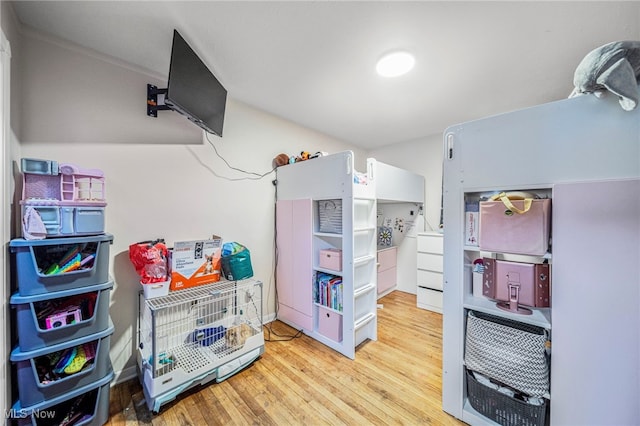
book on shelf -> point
(328, 291)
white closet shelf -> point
(509, 256)
(328, 308)
(539, 316)
(328, 271)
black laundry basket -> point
(504, 409)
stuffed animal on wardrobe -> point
(614, 67)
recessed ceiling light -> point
(395, 64)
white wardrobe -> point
(585, 152)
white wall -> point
(161, 181)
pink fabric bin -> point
(331, 259)
(510, 232)
(330, 323)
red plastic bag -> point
(150, 260)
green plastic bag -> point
(237, 266)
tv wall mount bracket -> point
(152, 100)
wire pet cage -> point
(191, 337)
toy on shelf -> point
(73, 259)
(81, 185)
(284, 159)
(47, 182)
(61, 199)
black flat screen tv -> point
(193, 90)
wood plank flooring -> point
(396, 380)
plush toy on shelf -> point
(280, 160)
(284, 159)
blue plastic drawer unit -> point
(52, 318)
(55, 370)
(86, 405)
(57, 264)
(69, 220)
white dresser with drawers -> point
(430, 267)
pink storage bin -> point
(508, 232)
(330, 323)
(331, 259)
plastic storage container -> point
(504, 409)
(52, 318)
(86, 360)
(86, 405)
(70, 219)
(158, 289)
(35, 262)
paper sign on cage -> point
(195, 263)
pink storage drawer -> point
(386, 280)
(504, 231)
(331, 259)
(330, 323)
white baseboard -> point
(125, 375)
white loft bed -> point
(400, 194)
(396, 185)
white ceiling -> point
(313, 62)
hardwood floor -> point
(394, 380)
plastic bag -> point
(236, 261)
(150, 260)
